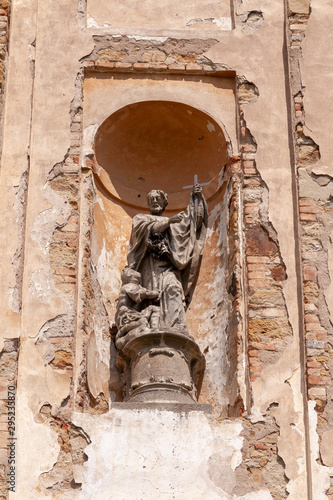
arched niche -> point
(159, 144)
(162, 144)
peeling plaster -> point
(15, 293)
(42, 285)
(46, 222)
(320, 473)
(147, 15)
(88, 138)
(212, 321)
(36, 438)
(224, 23)
(159, 457)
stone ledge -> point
(175, 407)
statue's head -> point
(130, 276)
(157, 201)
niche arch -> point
(149, 144)
(157, 130)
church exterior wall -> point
(270, 437)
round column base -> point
(161, 366)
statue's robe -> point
(174, 273)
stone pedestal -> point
(161, 366)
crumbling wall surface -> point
(52, 299)
(143, 454)
(40, 194)
(274, 349)
(171, 16)
(311, 63)
(13, 184)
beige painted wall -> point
(37, 124)
(191, 15)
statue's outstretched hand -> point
(176, 218)
(197, 190)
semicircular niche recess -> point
(159, 145)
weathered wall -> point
(309, 61)
(73, 64)
(126, 16)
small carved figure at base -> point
(128, 314)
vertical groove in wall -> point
(243, 307)
(10, 354)
(243, 264)
(298, 262)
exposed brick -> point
(314, 371)
(313, 363)
(141, 66)
(261, 446)
(279, 273)
(69, 279)
(256, 275)
(267, 347)
(249, 148)
(158, 67)
(248, 164)
(311, 318)
(308, 217)
(314, 327)
(176, 67)
(321, 335)
(251, 208)
(309, 272)
(254, 361)
(257, 259)
(193, 67)
(257, 267)
(258, 242)
(309, 209)
(106, 64)
(251, 182)
(306, 201)
(123, 65)
(63, 235)
(259, 283)
(314, 380)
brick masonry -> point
(315, 226)
(268, 330)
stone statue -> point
(157, 286)
(166, 252)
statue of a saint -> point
(166, 253)
(158, 360)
